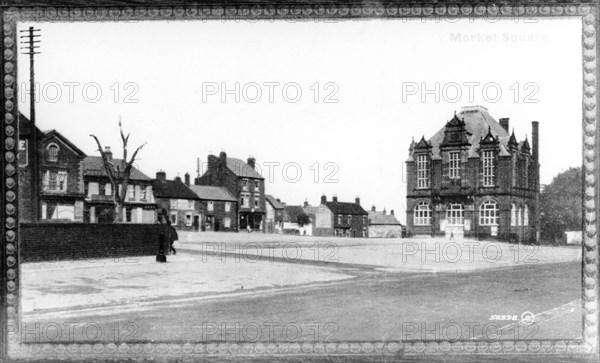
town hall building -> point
(474, 179)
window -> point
(364, 219)
(519, 216)
(108, 189)
(227, 206)
(422, 214)
(245, 200)
(513, 215)
(256, 184)
(455, 214)
(190, 204)
(128, 214)
(22, 154)
(173, 203)
(488, 168)
(349, 218)
(454, 165)
(339, 219)
(101, 189)
(210, 205)
(188, 219)
(53, 152)
(245, 184)
(227, 222)
(143, 193)
(92, 189)
(56, 181)
(130, 192)
(174, 218)
(422, 171)
(488, 213)
(257, 200)
(526, 216)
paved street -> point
(217, 296)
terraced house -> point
(474, 178)
(177, 201)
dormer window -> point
(454, 169)
(53, 152)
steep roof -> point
(276, 204)
(478, 123)
(242, 169)
(207, 192)
(174, 189)
(58, 135)
(379, 218)
(93, 165)
(345, 208)
(25, 128)
(292, 212)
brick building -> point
(50, 176)
(384, 225)
(219, 208)
(340, 219)
(274, 215)
(99, 200)
(243, 182)
(177, 201)
(473, 178)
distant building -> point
(275, 213)
(179, 203)
(295, 221)
(341, 219)
(50, 176)
(383, 225)
(474, 178)
(219, 208)
(244, 183)
(311, 211)
(99, 202)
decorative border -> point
(586, 347)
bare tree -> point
(119, 172)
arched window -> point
(488, 213)
(422, 214)
(513, 214)
(519, 216)
(526, 216)
(52, 152)
(455, 214)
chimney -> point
(384, 211)
(223, 158)
(161, 175)
(305, 203)
(373, 208)
(357, 200)
(279, 200)
(323, 199)
(108, 153)
(334, 198)
(535, 139)
(187, 179)
(251, 161)
(392, 212)
(178, 179)
(504, 123)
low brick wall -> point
(76, 241)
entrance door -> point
(455, 220)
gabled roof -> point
(207, 192)
(379, 218)
(292, 212)
(478, 123)
(311, 210)
(58, 135)
(94, 166)
(242, 169)
(274, 203)
(345, 208)
(172, 189)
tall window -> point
(227, 206)
(519, 216)
(55, 181)
(244, 184)
(488, 213)
(513, 215)
(52, 152)
(454, 164)
(455, 214)
(489, 179)
(245, 200)
(422, 214)
(142, 193)
(422, 171)
(256, 184)
(526, 216)
(210, 206)
(130, 192)
(257, 200)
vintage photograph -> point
(299, 182)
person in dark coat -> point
(172, 237)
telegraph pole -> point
(30, 48)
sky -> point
(325, 107)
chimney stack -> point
(335, 198)
(384, 211)
(305, 203)
(161, 175)
(392, 212)
(535, 139)
(108, 153)
(357, 200)
(504, 123)
(323, 199)
(373, 208)
(187, 179)
(178, 178)
(223, 158)
(251, 161)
